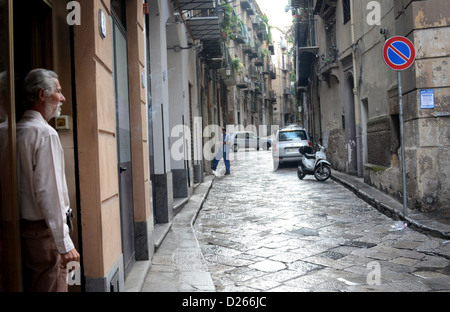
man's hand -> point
(72, 255)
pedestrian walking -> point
(43, 197)
(224, 152)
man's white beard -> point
(50, 113)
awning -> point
(205, 28)
(194, 4)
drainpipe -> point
(359, 150)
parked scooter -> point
(314, 164)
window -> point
(293, 135)
(347, 11)
(332, 52)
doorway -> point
(364, 121)
(123, 135)
(33, 43)
(350, 127)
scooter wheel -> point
(322, 172)
(300, 174)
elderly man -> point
(43, 198)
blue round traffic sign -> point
(399, 53)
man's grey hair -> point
(39, 79)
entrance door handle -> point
(122, 169)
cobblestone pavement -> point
(265, 230)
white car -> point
(287, 143)
(248, 139)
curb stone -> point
(390, 211)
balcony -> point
(259, 61)
(246, 3)
(186, 5)
(269, 69)
(286, 68)
(299, 3)
(273, 74)
(272, 96)
(205, 28)
(241, 39)
(325, 8)
(256, 20)
(242, 81)
(251, 11)
(306, 42)
(255, 51)
(258, 87)
(213, 53)
(247, 48)
(216, 62)
(329, 71)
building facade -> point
(247, 75)
(286, 110)
(352, 96)
(142, 80)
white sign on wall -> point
(427, 98)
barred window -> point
(347, 11)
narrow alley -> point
(265, 230)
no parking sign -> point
(399, 53)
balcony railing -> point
(273, 96)
(205, 28)
(194, 4)
(242, 81)
(306, 39)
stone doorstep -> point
(137, 275)
(160, 232)
(136, 278)
(179, 203)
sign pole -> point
(399, 54)
(402, 141)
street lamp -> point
(228, 71)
